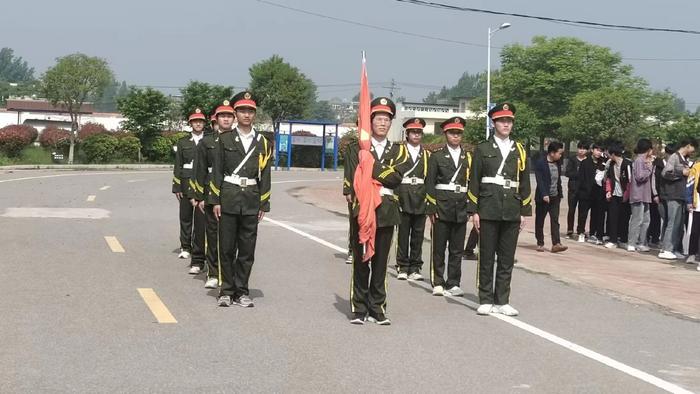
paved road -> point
(74, 321)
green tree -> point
(687, 126)
(203, 95)
(322, 110)
(281, 89)
(146, 111)
(14, 69)
(609, 113)
(108, 101)
(548, 74)
(71, 82)
(468, 85)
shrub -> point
(100, 148)
(54, 138)
(35, 155)
(161, 149)
(128, 148)
(14, 138)
(90, 129)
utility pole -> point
(392, 87)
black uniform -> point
(412, 204)
(571, 173)
(450, 227)
(191, 220)
(500, 199)
(204, 163)
(368, 287)
(232, 187)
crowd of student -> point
(649, 200)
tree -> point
(14, 69)
(322, 110)
(468, 85)
(203, 95)
(108, 101)
(71, 82)
(282, 90)
(685, 127)
(146, 112)
(547, 75)
(607, 114)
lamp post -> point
(488, 72)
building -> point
(433, 114)
(40, 114)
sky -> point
(168, 43)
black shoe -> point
(380, 319)
(358, 318)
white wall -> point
(40, 120)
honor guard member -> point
(446, 185)
(368, 285)
(206, 152)
(411, 194)
(499, 198)
(191, 220)
(240, 193)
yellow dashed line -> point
(114, 244)
(159, 310)
(91, 198)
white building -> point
(433, 114)
(40, 114)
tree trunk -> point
(73, 133)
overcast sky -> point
(168, 43)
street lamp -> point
(488, 72)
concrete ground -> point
(74, 319)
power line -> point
(367, 25)
(548, 19)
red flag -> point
(366, 188)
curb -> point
(89, 167)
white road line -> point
(81, 173)
(91, 198)
(105, 187)
(624, 368)
(306, 180)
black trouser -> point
(450, 236)
(571, 214)
(237, 237)
(471, 241)
(368, 287)
(410, 243)
(654, 233)
(597, 208)
(496, 237)
(694, 243)
(618, 220)
(212, 254)
(186, 218)
(541, 210)
(192, 229)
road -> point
(74, 319)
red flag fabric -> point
(366, 188)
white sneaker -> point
(631, 248)
(643, 248)
(484, 309)
(507, 310)
(455, 291)
(195, 270)
(666, 255)
(415, 276)
(610, 245)
(581, 238)
(402, 276)
(598, 242)
(698, 267)
(438, 291)
(183, 254)
(211, 283)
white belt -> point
(451, 187)
(187, 166)
(386, 191)
(209, 169)
(412, 181)
(500, 181)
(242, 182)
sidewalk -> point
(639, 278)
